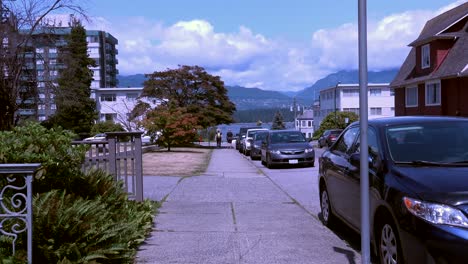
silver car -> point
(287, 147)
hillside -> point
(254, 98)
(309, 93)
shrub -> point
(107, 126)
(329, 122)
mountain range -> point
(252, 98)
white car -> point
(145, 140)
(97, 137)
(248, 139)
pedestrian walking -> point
(219, 136)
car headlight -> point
(256, 146)
(247, 144)
(436, 213)
(275, 151)
(309, 150)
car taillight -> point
(332, 137)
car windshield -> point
(260, 136)
(287, 137)
(441, 142)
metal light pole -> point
(363, 113)
(336, 86)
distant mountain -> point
(135, 80)
(348, 77)
(255, 98)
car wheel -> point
(388, 242)
(262, 160)
(319, 145)
(325, 206)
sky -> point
(269, 44)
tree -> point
(107, 126)
(176, 125)
(76, 111)
(19, 21)
(278, 122)
(192, 88)
(329, 122)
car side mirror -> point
(355, 160)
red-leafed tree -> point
(176, 125)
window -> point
(375, 92)
(376, 111)
(346, 141)
(52, 50)
(39, 50)
(303, 123)
(425, 56)
(132, 96)
(354, 110)
(392, 92)
(411, 96)
(108, 97)
(92, 39)
(350, 92)
(309, 123)
(433, 93)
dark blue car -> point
(418, 187)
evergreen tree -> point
(76, 111)
(278, 122)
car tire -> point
(263, 162)
(388, 241)
(328, 218)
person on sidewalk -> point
(229, 138)
(219, 136)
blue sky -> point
(274, 45)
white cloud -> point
(250, 59)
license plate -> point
(293, 161)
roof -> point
(455, 63)
(440, 23)
(402, 120)
(309, 114)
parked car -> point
(241, 136)
(145, 140)
(328, 137)
(256, 143)
(247, 144)
(97, 137)
(418, 187)
(283, 147)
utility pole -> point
(336, 86)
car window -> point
(372, 142)
(345, 142)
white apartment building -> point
(116, 104)
(345, 97)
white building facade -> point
(304, 123)
(345, 98)
(116, 104)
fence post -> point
(17, 209)
(111, 138)
(138, 168)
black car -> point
(328, 137)
(256, 143)
(286, 147)
(418, 187)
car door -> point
(336, 163)
(352, 175)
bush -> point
(106, 126)
(329, 122)
(78, 217)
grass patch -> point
(181, 162)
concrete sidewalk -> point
(235, 214)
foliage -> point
(71, 229)
(52, 148)
(78, 217)
(192, 88)
(17, 83)
(278, 122)
(329, 122)
(76, 111)
(106, 126)
(176, 124)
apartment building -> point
(345, 97)
(47, 47)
